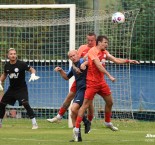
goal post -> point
(39, 23)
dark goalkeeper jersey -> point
(16, 73)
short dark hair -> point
(100, 39)
(92, 34)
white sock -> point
(59, 116)
(34, 121)
(76, 129)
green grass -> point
(19, 132)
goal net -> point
(42, 36)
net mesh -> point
(41, 38)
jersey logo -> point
(16, 70)
(13, 75)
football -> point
(118, 17)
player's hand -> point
(112, 78)
(33, 77)
(57, 69)
(83, 66)
(133, 61)
(1, 88)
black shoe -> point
(87, 127)
(79, 139)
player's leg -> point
(65, 104)
(30, 113)
(87, 121)
(108, 112)
(6, 99)
(81, 113)
(2, 112)
(22, 97)
(107, 96)
(74, 111)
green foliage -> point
(143, 46)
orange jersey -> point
(93, 74)
(83, 50)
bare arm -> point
(3, 77)
(62, 72)
(32, 70)
(120, 60)
(103, 70)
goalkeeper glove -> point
(33, 77)
(1, 88)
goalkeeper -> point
(15, 70)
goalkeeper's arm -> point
(33, 76)
(2, 79)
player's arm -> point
(102, 69)
(120, 60)
(62, 72)
(84, 65)
(2, 79)
(76, 69)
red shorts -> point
(73, 87)
(102, 89)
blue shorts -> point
(79, 96)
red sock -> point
(90, 117)
(62, 111)
(78, 121)
(108, 116)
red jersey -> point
(93, 74)
(83, 50)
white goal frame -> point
(72, 24)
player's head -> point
(91, 39)
(12, 54)
(102, 42)
(73, 56)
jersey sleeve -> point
(5, 69)
(26, 66)
(70, 73)
(80, 50)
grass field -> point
(19, 132)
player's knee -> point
(24, 102)
(74, 111)
(109, 103)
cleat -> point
(54, 120)
(35, 126)
(110, 126)
(87, 127)
(75, 135)
(79, 140)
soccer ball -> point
(118, 17)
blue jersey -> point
(80, 78)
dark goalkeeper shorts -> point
(13, 95)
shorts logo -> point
(16, 70)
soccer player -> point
(96, 83)
(82, 52)
(80, 84)
(15, 70)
